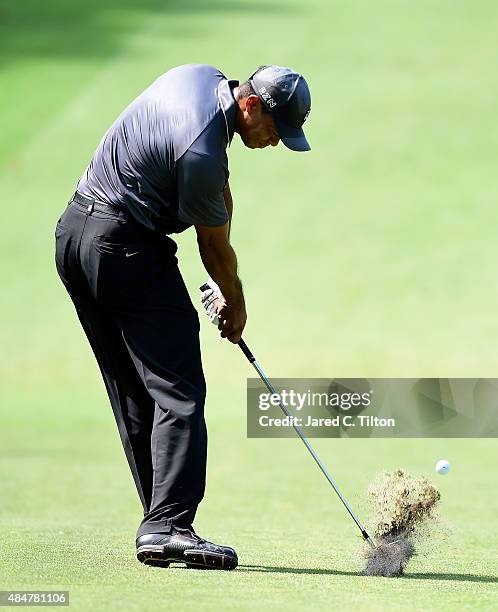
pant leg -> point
(164, 345)
(132, 405)
(148, 300)
(135, 279)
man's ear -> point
(252, 103)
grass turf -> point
(374, 255)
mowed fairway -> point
(373, 255)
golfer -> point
(161, 168)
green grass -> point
(374, 255)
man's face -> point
(257, 128)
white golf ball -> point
(442, 466)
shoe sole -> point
(157, 556)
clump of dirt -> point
(402, 505)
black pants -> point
(136, 312)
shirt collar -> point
(228, 105)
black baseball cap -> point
(286, 95)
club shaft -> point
(304, 439)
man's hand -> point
(212, 300)
(233, 319)
(230, 318)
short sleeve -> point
(201, 181)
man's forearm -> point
(221, 265)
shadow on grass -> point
(452, 577)
(270, 569)
(62, 29)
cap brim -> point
(293, 138)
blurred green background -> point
(373, 255)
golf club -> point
(252, 360)
(300, 433)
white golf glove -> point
(210, 293)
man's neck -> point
(238, 111)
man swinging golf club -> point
(161, 168)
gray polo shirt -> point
(164, 158)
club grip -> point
(246, 351)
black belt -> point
(92, 204)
